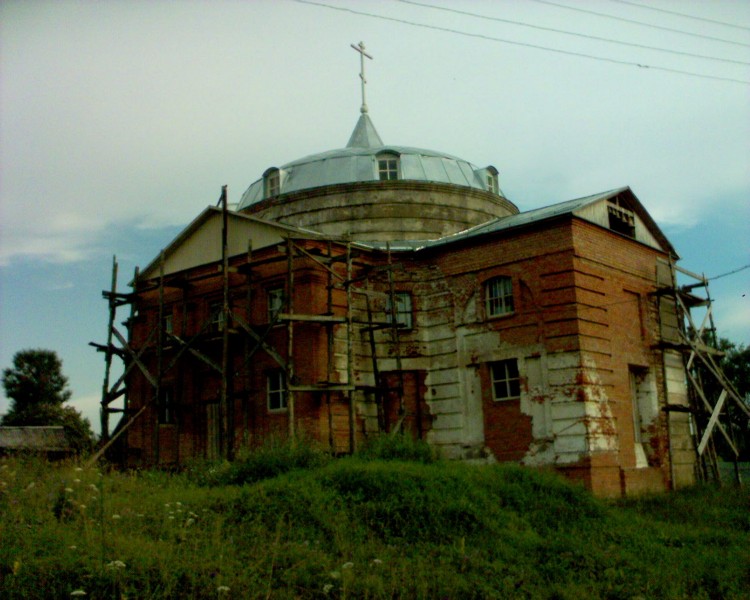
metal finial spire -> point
(361, 49)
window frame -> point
(272, 183)
(498, 296)
(621, 219)
(217, 319)
(276, 391)
(493, 183)
(389, 166)
(167, 322)
(505, 373)
(166, 413)
(405, 317)
(274, 302)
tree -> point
(38, 390)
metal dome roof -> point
(359, 162)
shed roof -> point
(38, 439)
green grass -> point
(360, 527)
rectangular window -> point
(216, 316)
(499, 295)
(403, 310)
(492, 183)
(506, 384)
(275, 298)
(621, 220)
(167, 415)
(167, 323)
(276, 390)
(388, 168)
(273, 184)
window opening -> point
(167, 324)
(167, 414)
(216, 316)
(403, 310)
(621, 218)
(388, 167)
(499, 295)
(275, 303)
(492, 183)
(273, 183)
(506, 384)
(276, 390)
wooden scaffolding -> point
(709, 390)
(338, 259)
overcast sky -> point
(120, 122)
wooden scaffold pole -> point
(290, 337)
(104, 411)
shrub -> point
(397, 447)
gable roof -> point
(576, 207)
(200, 242)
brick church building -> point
(388, 290)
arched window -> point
(498, 293)
(387, 166)
(272, 182)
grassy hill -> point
(291, 523)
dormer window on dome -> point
(271, 182)
(388, 166)
(492, 183)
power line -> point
(728, 273)
(641, 23)
(679, 14)
(524, 44)
(581, 35)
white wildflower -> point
(189, 522)
(31, 485)
(222, 589)
(77, 593)
(69, 490)
(76, 481)
(347, 565)
(116, 564)
(116, 517)
(93, 488)
(78, 469)
(376, 561)
(73, 547)
(327, 588)
(335, 574)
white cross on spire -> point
(361, 49)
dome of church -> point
(370, 191)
